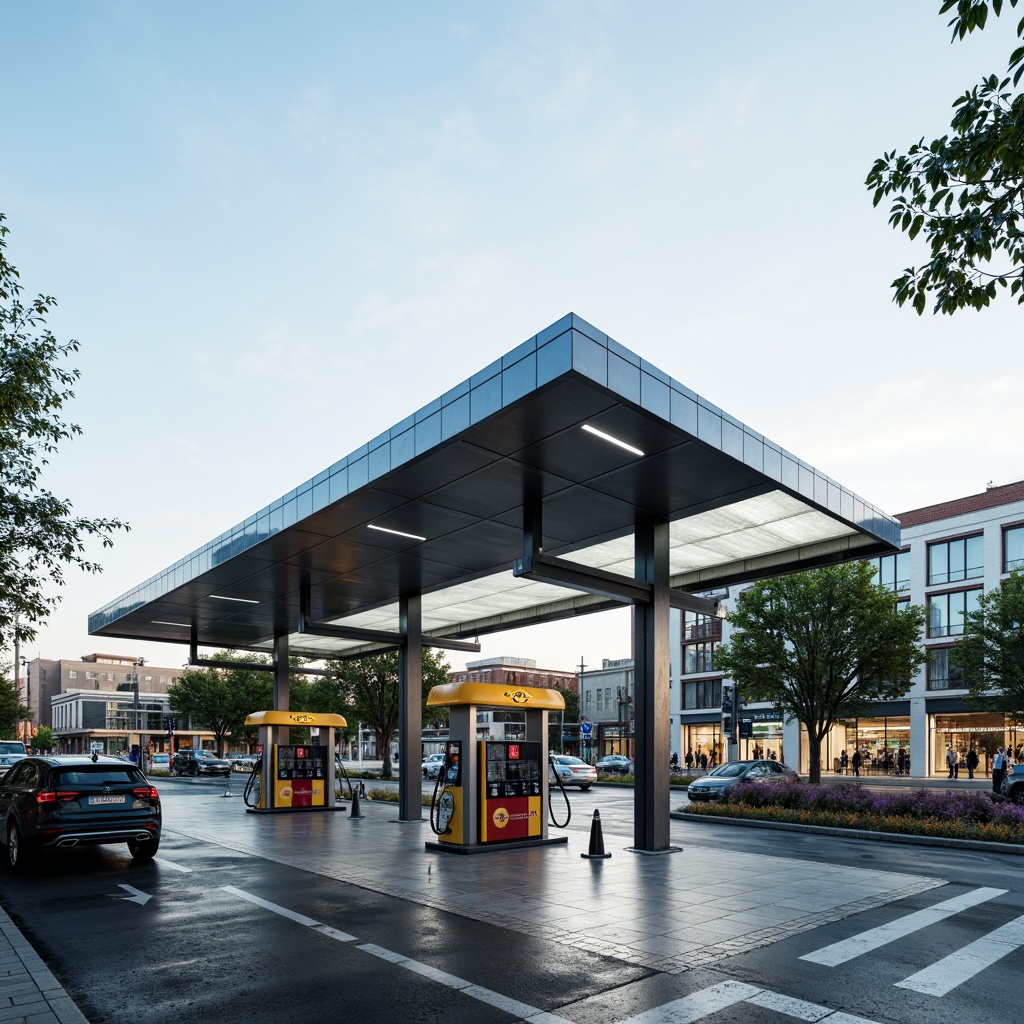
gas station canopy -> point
(484, 500)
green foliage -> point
(39, 534)
(371, 689)
(220, 699)
(821, 646)
(991, 652)
(964, 191)
(12, 711)
(572, 703)
(44, 739)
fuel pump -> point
(444, 805)
(291, 777)
(492, 793)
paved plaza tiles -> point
(667, 912)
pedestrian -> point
(855, 762)
(998, 769)
(951, 760)
(689, 759)
(843, 762)
(972, 762)
(703, 762)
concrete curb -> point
(854, 833)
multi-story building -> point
(506, 724)
(91, 703)
(951, 553)
(606, 702)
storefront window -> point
(703, 740)
(765, 741)
(883, 744)
(984, 733)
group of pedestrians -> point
(1000, 763)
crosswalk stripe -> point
(857, 945)
(697, 1004)
(958, 967)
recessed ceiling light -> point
(397, 533)
(614, 440)
(240, 600)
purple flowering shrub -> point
(966, 815)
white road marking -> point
(266, 905)
(944, 975)
(697, 1004)
(484, 995)
(137, 895)
(865, 942)
(174, 867)
(789, 1006)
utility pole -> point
(138, 714)
(584, 744)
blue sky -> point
(277, 229)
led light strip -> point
(397, 533)
(614, 440)
(240, 600)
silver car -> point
(716, 785)
(572, 771)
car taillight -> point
(48, 796)
(147, 791)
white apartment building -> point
(952, 552)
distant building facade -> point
(952, 552)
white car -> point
(432, 765)
(572, 771)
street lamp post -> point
(138, 715)
(27, 733)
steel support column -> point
(651, 691)
(281, 686)
(410, 710)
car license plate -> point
(93, 800)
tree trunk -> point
(813, 756)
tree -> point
(39, 534)
(371, 686)
(221, 699)
(965, 190)
(12, 711)
(991, 652)
(43, 739)
(821, 646)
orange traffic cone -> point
(596, 851)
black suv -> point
(77, 799)
(199, 762)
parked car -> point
(432, 765)
(199, 762)
(615, 764)
(68, 800)
(572, 771)
(716, 784)
(10, 751)
(242, 762)
(1013, 784)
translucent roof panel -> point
(570, 422)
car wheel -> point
(193, 770)
(15, 847)
(584, 787)
(143, 850)
(1017, 795)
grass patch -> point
(917, 812)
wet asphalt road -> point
(187, 938)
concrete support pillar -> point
(410, 710)
(651, 700)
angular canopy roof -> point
(571, 421)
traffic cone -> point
(596, 851)
(355, 812)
